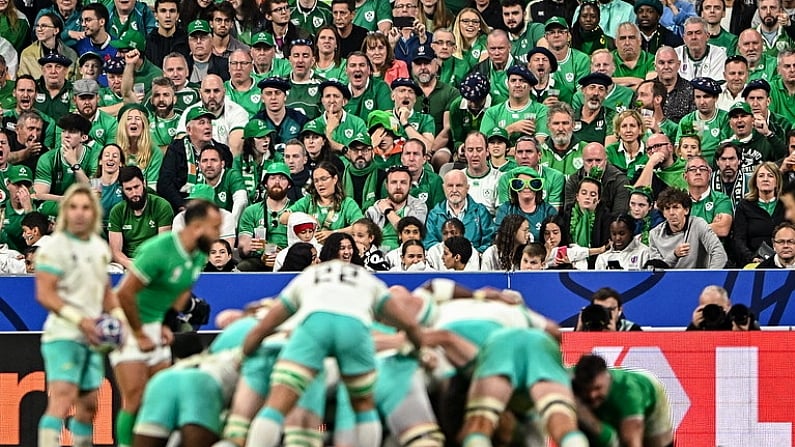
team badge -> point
(476, 54)
(2, 196)
(714, 132)
(708, 206)
(348, 133)
(781, 45)
(40, 97)
(569, 77)
(600, 124)
(186, 99)
(369, 16)
(172, 131)
(295, 22)
(577, 162)
(312, 91)
(222, 196)
(317, 21)
(423, 196)
(255, 98)
(100, 133)
(151, 223)
(65, 97)
(577, 126)
(134, 26)
(368, 104)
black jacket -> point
(751, 226)
(174, 172)
(615, 194)
(157, 46)
(218, 66)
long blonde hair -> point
(461, 45)
(144, 155)
(75, 190)
(753, 190)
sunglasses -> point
(535, 184)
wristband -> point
(71, 314)
(479, 295)
(118, 313)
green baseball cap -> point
(257, 129)
(556, 22)
(740, 106)
(129, 40)
(263, 38)
(313, 127)
(203, 192)
(20, 173)
(360, 137)
(198, 112)
(526, 170)
(498, 132)
(384, 119)
(199, 26)
(280, 168)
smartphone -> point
(614, 265)
(562, 252)
(139, 88)
(403, 22)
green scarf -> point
(581, 226)
(370, 184)
(672, 175)
(644, 232)
(194, 174)
(593, 40)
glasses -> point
(535, 184)
(43, 26)
(323, 179)
(557, 31)
(405, 6)
(470, 21)
(87, 19)
(360, 149)
(654, 147)
(398, 168)
(784, 241)
(697, 169)
(239, 63)
(284, 8)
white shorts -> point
(129, 351)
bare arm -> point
(163, 229)
(631, 432)
(43, 192)
(458, 350)
(116, 242)
(126, 292)
(722, 224)
(236, 141)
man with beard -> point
(713, 12)
(241, 87)
(663, 170)
(754, 146)
(437, 96)
(494, 67)
(230, 118)
(564, 154)
(728, 179)
(521, 34)
(140, 216)
(263, 52)
(73, 162)
(700, 58)
(632, 63)
(287, 121)
(398, 204)
(614, 193)
(519, 114)
(304, 94)
(278, 181)
(103, 126)
(296, 158)
(653, 34)
(362, 179)
(680, 93)
(572, 64)
(161, 278)
(230, 190)
(338, 125)
(367, 93)
(760, 64)
(203, 61)
(466, 115)
(413, 124)
(29, 147)
(735, 72)
(776, 27)
(222, 17)
(782, 90)
(163, 123)
(707, 121)
(168, 37)
(139, 69)
(594, 121)
(94, 16)
(180, 169)
(451, 69)
(652, 96)
(54, 90)
(618, 98)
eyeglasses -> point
(43, 26)
(697, 169)
(654, 147)
(398, 168)
(87, 19)
(405, 6)
(274, 220)
(239, 63)
(323, 179)
(535, 184)
(284, 8)
(784, 241)
(448, 43)
(470, 21)
(360, 149)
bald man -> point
(760, 65)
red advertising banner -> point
(728, 389)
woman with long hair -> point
(299, 256)
(368, 239)
(340, 246)
(435, 14)
(328, 63)
(587, 222)
(641, 208)
(14, 26)
(556, 243)
(69, 13)
(106, 180)
(258, 153)
(470, 32)
(412, 258)
(629, 151)
(506, 252)
(317, 147)
(135, 140)
(327, 203)
(246, 19)
(377, 49)
(526, 199)
(191, 10)
(758, 214)
(586, 34)
(48, 29)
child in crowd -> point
(457, 253)
(412, 257)
(505, 254)
(452, 228)
(627, 252)
(409, 229)
(301, 227)
(533, 256)
(220, 259)
(368, 238)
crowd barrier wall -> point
(651, 298)
(725, 389)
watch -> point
(75, 167)
(388, 210)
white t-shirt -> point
(484, 189)
(234, 117)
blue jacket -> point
(478, 225)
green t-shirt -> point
(781, 101)
(472, 56)
(108, 98)
(765, 69)
(251, 172)
(462, 121)
(554, 182)
(187, 97)
(53, 106)
(135, 230)
(524, 43)
(349, 126)
(11, 233)
(570, 70)
(371, 13)
(618, 99)
(377, 96)
(428, 189)
(152, 170)
(146, 74)
(7, 100)
(54, 171)
(710, 206)
(231, 181)
(327, 218)
(279, 67)
(726, 40)
(421, 122)
(334, 72)
(254, 216)
(502, 115)
(617, 156)
(163, 130)
(311, 21)
(453, 70)
(437, 103)
(250, 100)
(567, 163)
(3, 188)
(596, 130)
(712, 131)
(631, 394)
(167, 271)
(305, 97)
(643, 66)
(670, 129)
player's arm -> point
(47, 296)
(631, 431)
(278, 314)
(457, 350)
(394, 309)
(126, 292)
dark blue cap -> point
(521, 70)
(707, 85)
(274, 82)
(406, 82)
(56, 59)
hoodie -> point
(292, 238)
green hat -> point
(556, 22)
(132, 106)
(384, 119)
(262, 38)
(198, 112)
(278, 167)
(130, 40)
(199, 26)
(740, 106)
(20, 173)
(526, 170)
(313, 126)
(360, 137)
(257, 129)
(498, 132)
(202, 191)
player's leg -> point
(412, 422)
(131, 377)
(61, 397)
(245, 404)
(354, 350)
(302, 426)
(555, 405)
(82, 423)
(198, 436)
(344, 418)
(157, 415)
(63, 364)
(486, 400)
(368, 425)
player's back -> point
(476, 319)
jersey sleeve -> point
(351, 211)
(49, 258)
(116, 218)
(631, 400)
(44, 168)
(723, 205)
(291, 294)
(163, 213)
(302, 205)
(148, 261)
(248, 220)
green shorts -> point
(523, 356)
(394, 382)
(256, 369)
(73, 362)
(323, 335)
(177, 397)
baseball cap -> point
(20, 173)
(257, 129)
(360, 137)
(498, 133)
(55, 58)
(384, 119)
(203, 192)
(556, 22)
(313, 127)
(262, 38)
(740, 107)
(198, 112)
(199, 26)
(129, 40)
(423, 52)
(84, 87)
(90, 55)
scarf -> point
(672, 175)
(370, 184)
(194, 174)
(581, 226)
(592, 40)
